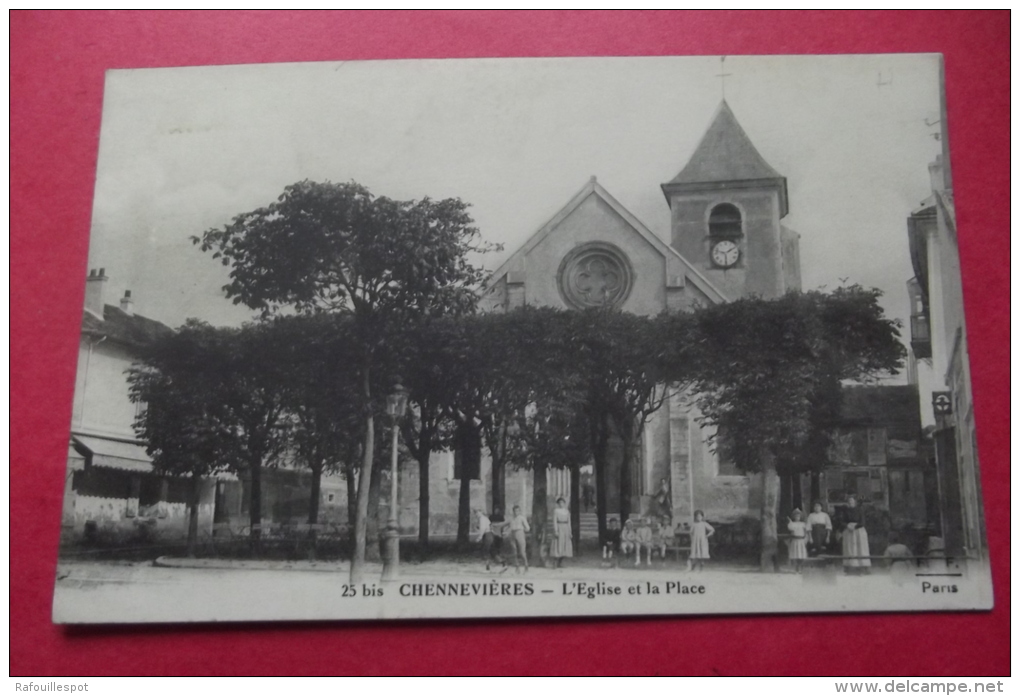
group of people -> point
(494, 533)
(653, 534)
(810, 537)
(815, 535)
(502, 539)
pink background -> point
(57, 65)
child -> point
(643, 534)
(798, 542)
(628, 539)
(612, 544)
(519, 527)
(700, 532)
(666, 536)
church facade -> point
(726, 208)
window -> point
(725, 221)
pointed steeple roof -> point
(676, 265)
(726, 157)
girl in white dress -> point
(798, 541)
(700, 532)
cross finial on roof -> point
(723, 75)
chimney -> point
(94, 291)
(126, 303)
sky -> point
(183, 150)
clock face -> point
(725, 254)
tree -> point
(427, 359)
(769, 376)
(337, 248)
(214, 402)
(632, 364)
(502, 364)
(183, 420)
(320, 397)
(551, 433)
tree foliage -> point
(213, 401)
(770, 371)
(324, 247)
(770, 374)
(631, 365)
(336, 247)
(321, 396)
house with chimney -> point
(112, 495)
(110, 489)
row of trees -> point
(354, 289)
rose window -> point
(595, 275)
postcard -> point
(523, 337)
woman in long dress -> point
(562, 545)
(855, 538)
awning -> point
(112, 454)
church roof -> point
(726, 155)
(594, 188)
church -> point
(728, 241)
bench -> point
(882, 561)
(678, 550)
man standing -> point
(519, 528)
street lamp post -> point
(396, 403)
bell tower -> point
(727, 204)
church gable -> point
(594, 252)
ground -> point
(230, 590)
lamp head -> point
(396, 402)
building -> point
(940, 365)
(726, 207)
(110, 489)
(111, 493)
(879, 453)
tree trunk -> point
(498, 484)
(424, 454)
(464, 510)
(798, 494)
(816, 488)
(377, 515)
(194, 494)
(255, 507)
(313, 497)
(600, 441)
(626, 434)
(499, 473)
(470, 442)
(539, 509)
(769, 509)
(361, 516)
(785, 495)
(575, 507)
(352, 495)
